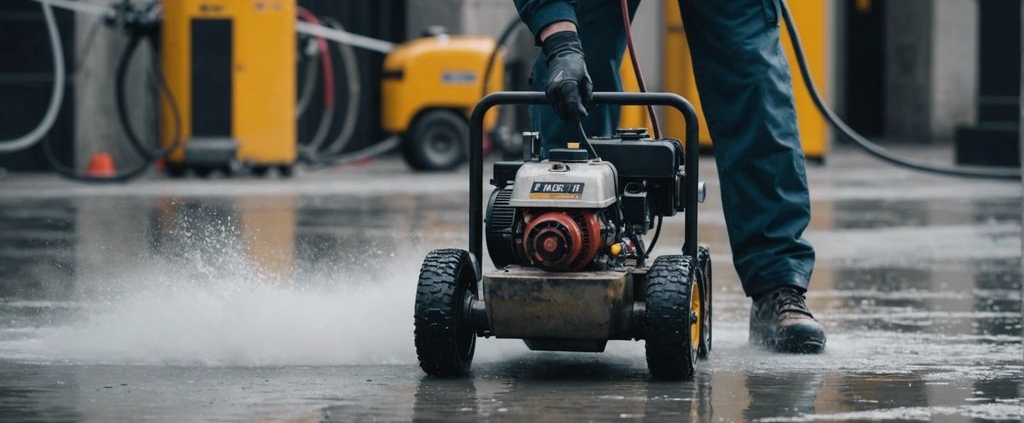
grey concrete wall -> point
(486, 17)
(648, 24)
(423, 13)
(908, 56)
(954, 64)
(836, 59)
(96, 124)
(931, 74)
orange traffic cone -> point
(101, 165)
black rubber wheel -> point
(286, 171)
(444, 336)
(438, 139)
(176, 171)
(203, 171)
(259, 171)
(707, 287)
(672, 320)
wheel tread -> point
(707, 288)
(667, 323)
(436, 313)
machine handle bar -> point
(476, 154)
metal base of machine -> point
(573, 345)
(573, 311)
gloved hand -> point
(569, 89)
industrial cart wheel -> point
(672, 328)
(706, 288)
(259, 171)
(444, 337)
(203, 171)
(286, 171)
(176, 171)
(437, 140)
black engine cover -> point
(655, 163)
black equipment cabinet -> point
(26, 81)
(994, 141)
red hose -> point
(636, 67)
(325, 57)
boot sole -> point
(808, 346)
(796, 344)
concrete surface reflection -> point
(441, 400)
(262, 229)
(558, 387)
(782, 395)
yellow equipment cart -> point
(430, 85)
(231, 65)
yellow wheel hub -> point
(695, 310)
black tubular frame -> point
(476, 155)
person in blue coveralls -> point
(747, 93)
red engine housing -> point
(561, 240)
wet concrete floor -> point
(245, 300)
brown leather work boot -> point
(781, 322)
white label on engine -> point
(557, 190)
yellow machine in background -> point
(678, 74)
(231, 66)
(430, 86)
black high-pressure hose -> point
(122, 104)
(874, 149)
(122, 108)
(148, 156)
(867, 145)
(506, 33)
(510, 29)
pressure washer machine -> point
(566, 236)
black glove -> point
(569, 88)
